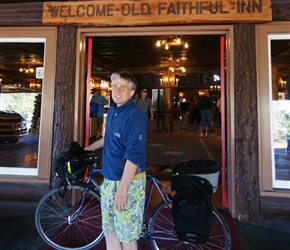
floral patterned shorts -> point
(127, 224)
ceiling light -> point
(173, 69)
(173, 41)
(27, 70)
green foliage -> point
(22, 103)
(281, 120)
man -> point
(124, 167)
(97, 102)
(184, 105)
(205, 106)
(219, 106)
(195, 110)
(145, 103)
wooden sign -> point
(155, 12)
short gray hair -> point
(126, 76)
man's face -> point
(143, 94)
(121, 92)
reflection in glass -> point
(20, 103)
(281, 136)
(281, 112)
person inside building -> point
(144, 103)
(219, 106)
(124, 166)
(184, 105)
(98, 102)
(205, 106)
(195, 110)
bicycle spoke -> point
(161, 229)
(64, 225)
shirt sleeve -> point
(135, 138)
(150, 104)
(104, 100)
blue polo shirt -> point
(125, 139)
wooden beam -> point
(154, 12)
(9, 13)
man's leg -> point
(113, 243)
(130, 220)
(100, 120)
(209, 120)
(203, 120)
(108, 191)
(130, 246)
(101, 129)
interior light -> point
(177, 68)
(175, 41)
(27, 70)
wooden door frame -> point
(226, 30)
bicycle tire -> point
(53, 219)
(161, 226)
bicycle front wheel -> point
(70, 222)
(161, 229)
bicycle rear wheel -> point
(68, 222)
(161, 229)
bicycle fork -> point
(72, 217)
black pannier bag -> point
(70, 164)
(192, 214)
(201, 174)
(194, 182)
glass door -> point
(280, 109)
(27, 75)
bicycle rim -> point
(161, 229)
(54, 223)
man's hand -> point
(121, 199)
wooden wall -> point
(64, 99)
(246, 123)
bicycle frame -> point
(89, 179)
(93, 171)
(154, 182)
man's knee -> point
(112, 242)
(130, 246)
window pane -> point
(20, 103)
(280, 113)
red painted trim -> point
(223, 124)
(88, 85)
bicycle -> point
(70, 223)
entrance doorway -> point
(151, 78)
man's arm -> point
(122, 192)
(104, 101)
(151, 114)
(96, 145)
